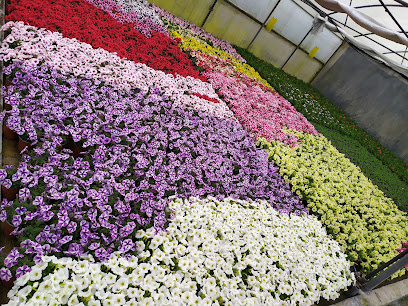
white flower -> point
(110, 278)
(81, 267)
(147, 302)
(93, 302)
(196, 276)
(118, 299)
(132, 302)
(121, 284)
(22, 280)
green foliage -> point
(387, 181)
(318, 109)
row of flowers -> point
(262, 112)
(193, 43)
(317, 108)
(200, 33)
(214, 253)
(139, 13)
(353, 210)
(139, 151)
(125, 212)
(380, 175)
(87, 23)
(29, 44)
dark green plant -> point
(372, 167)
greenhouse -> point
(206, 152)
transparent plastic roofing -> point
(393, 14)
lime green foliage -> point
(317, 109)
(386, 181)
(354, 211)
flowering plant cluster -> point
(171, 200)
(227, 67)
(141, 150)
(379, 174)
(212, 253)
(260, 113)
(144, 19)
(38, 46)
(263, 114)
(317, 108)
(189, 43)
(92, 25)
(354, 211)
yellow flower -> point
(340, 194)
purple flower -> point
(3, 175)
(3, 216)
(5, 274)
(102, 254)
(65, 239)
(38, 200)
(12, 258)
(94, 246)
(63, 220)
(71, 227)
(21, 210)
(22, 270)
(126, 246)
(24, 194)
(16, 221)
(74, 249)
(37, 259)
(7, 183)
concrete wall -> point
(241, 22)
(372, 94)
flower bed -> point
(140, 151)
(189, 43)
(181, 24)
(89, 24)
(144, 19)
(170, 199)
(213, 63)
(354, 211)
(260, 113)
(380, 175)
(317, 108)
(212, 253)
(38, 46)
(263, 114)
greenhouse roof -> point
(392, 14)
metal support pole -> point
(209, 12)
(402, 2)
(395, 264)
(393, 18)
(263, 25)
(345, 22)
(401, 263)
(297, 47)
(405, 52)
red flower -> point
(87, 23)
